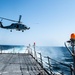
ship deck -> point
(19, 64)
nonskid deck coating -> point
(19, 64)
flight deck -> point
(19, 64)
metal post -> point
(73, 58)
(29, 49)
(49, 65)
(71, 68)
(73, 51)
(72, 43)
(41, 59)
(35, 52)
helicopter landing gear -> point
(10, 30)
(22, 30)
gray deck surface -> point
(19, 64)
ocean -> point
(58, 56)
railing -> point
(53, 67)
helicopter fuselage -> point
(17, 26)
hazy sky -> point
(51, 21)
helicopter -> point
(17, 25)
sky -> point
(51, 21)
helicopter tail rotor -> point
(20, 19)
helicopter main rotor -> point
(12, 20)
